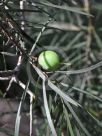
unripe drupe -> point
(49, 60)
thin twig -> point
(22, 85)
(5, 78)
(14, 76)
(87, 8)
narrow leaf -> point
(81, 71)
(18, 118)
(68, 121)
(71, 9)
(77, 119)
(47, 111)
(54, 87)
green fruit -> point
(49, 60)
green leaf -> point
(77, 119)
(68, 121)
(66, 8)
(47, 111)
(18, 118)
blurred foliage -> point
(74, 30)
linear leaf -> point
(47, 111)
(71, 9)
(77, 119)
(54, 87)
(18, 118)
(68, 121)
(81, 71)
